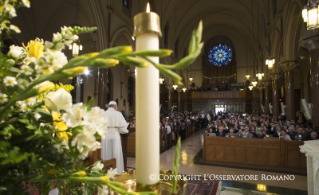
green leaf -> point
(172, 75)
(88, 105)
(176, 164)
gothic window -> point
(220, 55)
(274, 7)
(265, 25)
(125, 2)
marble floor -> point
(192, 145)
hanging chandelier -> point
(76, 47)
(260, 75)
(270, 62)
(247, 76)
(310, 14)
(184, 89)
(254, 83)
(161, 79)
(190, 79)
(175, 86)
(250, 87)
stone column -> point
(288, 67)
(169, 98)
(266, 85)
(261, 102)
(275, 97)
(102, 94)
(179, 108)
(311, 41)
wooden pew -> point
(263, 154)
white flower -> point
(85, 138)
(48, 45)
(10, 81)
(10, 61)
(27, 70)
(85, 142)
(74, 116)
(59, 46)
(103, 191)
(9, 8)
(67, 33)
(40, 72)
(57, 37)
(97, 119)
(58, 100)
(68, 42)
(97, 167)
(24, 107)
(30, 101)
(26, 3)
(55, 59)
(61, 146)
(15, 28)
(23, 83)
(3, 98)
(37, 116)
(15, 51)
(112, 172)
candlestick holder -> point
(164, 187)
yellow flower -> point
(54, 171)
(67, 88)
(63, 136)
(34, 48)
(46, 87)
(58, 122)
(75, 71)
(79, 173)
(105, 179)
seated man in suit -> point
(231, 133)
(300, 134)
(221, 132)
(271, 128)
(246, 133)
(277, 133)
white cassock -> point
(111, 143)
(208, 117)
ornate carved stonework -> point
(288, 65)
(310, 148)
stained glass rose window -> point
(220, 55)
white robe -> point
(111, 143)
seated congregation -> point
(236, 125)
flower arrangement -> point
(43, 136)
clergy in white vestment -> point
(111, 143)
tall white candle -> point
(147, 107)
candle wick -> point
(148, 8)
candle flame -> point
(148, 8)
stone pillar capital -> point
(169, 87)
(310, 39)
(266, 83)
(288, 65)
(274, 76)
(260, 87)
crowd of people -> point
(233, 125)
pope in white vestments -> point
(111, 143)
